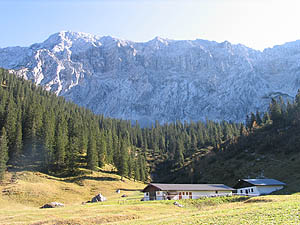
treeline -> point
(39, 127)
(280, 114)
(177, 141)
(280, 125)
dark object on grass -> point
(98, 198)
(123, 196)
(53, 205)
(179, 205)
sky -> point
(255, 23)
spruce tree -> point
(3, 153)
(123, 163)
(258, 118)
(109, 147)
(136, 171)
(252, 120)
(18, 145)
(141, 167)
(11, 125)
(266, 118)
(101, 149)
(243, 130)
(275, 112)
(131, 163)
(61, 141)
(179, 158)
(297, 99)
(48, 139)
(72, 154)
(92, 156)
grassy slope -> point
(282, 209)
(35, 188)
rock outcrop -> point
(53, 205)
(98, 198)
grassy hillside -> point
(34, 189)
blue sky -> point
(255, 23)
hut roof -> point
(264, 182)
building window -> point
(216, 192)
(241, 191)
(251, 189)
(147, 193)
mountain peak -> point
(72, 36)
(160, 39)
(158, 42)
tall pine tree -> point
(3, 153)
(123, 163)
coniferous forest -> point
(39, 128)
(43, 130)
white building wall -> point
(199, 194)
(258, 190)
(263, 190)
(146, 196)
(250, 191)
(159, 195)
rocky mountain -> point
(164, 80)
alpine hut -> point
(256, 187)
(154, 191)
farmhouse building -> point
(184, 191)
(255, 187)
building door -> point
(180, 196)
(152, 195)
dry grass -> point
(20, 205)
(36, 189)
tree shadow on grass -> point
(258, 200)
(86, 177)
(127, 189)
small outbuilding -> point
(256, 187)
(184, 191)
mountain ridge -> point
(164, 80)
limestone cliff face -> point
(162, 79)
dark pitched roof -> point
(190, 187)
(264, 182)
